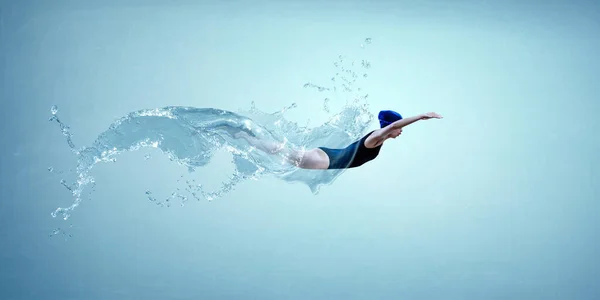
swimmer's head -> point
(387, 117)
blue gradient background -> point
(499, 200)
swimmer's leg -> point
(311, 159)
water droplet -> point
(368, 40)
(149, 194)
(365, 75)
(54, 109)
(55, 232)
(147, 157)
(366, 64)
(51, 169)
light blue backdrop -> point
(499, 200)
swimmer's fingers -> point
(431, 115)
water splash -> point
(326, 105)
(62, 232)
(64, 128)
(367, 42)
(314, 86)
(366, 64)
(191, 136)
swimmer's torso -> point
(356, 154)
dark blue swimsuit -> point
(356, 154)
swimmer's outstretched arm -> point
(405, 122)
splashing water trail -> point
(326, 105)
(191, 136)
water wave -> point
(190, 136)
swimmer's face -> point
(395, 133)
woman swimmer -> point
(354, 155)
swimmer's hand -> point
(430, 115)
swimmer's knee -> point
(314, 159)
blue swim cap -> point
(387, 117)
